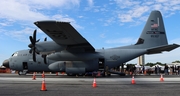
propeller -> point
(32, 45)
(44, 56)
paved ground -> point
(12, 84)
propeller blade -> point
(34, 55)
(38, 40)
(31, 39)
(45, 39)
(34, 36)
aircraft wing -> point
(64, 34)
(162, 48)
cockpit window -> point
(14, 54)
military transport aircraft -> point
(71, 53)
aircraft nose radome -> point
(6, 63)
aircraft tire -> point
(109, 74)
(122, 74)
(21, 73)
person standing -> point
(178, 70)
(158, 69)
(166, 69)
(127, 69)
(173, 70)
(155, 70)
(134, 68)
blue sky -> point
(104, 23)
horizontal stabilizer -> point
(162, 48)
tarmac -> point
(115, 85)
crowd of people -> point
(175, 70)
(167, 70)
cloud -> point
(80, 16)
(20, 35)
(133, 11)
(47, 4)
(125, 18)
(121, 41)
(103, 35)
(136, 12)
(4, 24)
(66, 18)
(176, 40)
(22, 14)
(125, 11)
(19, 11)
(32, 10)
(109, 21)
(161, 1)
(126, 3)
(90, 3)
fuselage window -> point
(15, 54)
(24, 54)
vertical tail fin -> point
(154, 33)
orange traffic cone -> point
(56, 73)
(43, 87)
(94, 83)
(133, 81)
(34, 76)
(161, 79)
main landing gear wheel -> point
(22, 73)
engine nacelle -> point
(61, 66)
(74, 67)
(48, 47)
(57, 66)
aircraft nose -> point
(6, 63)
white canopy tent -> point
(157, 65)
(138, 66)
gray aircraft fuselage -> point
(88, 61)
